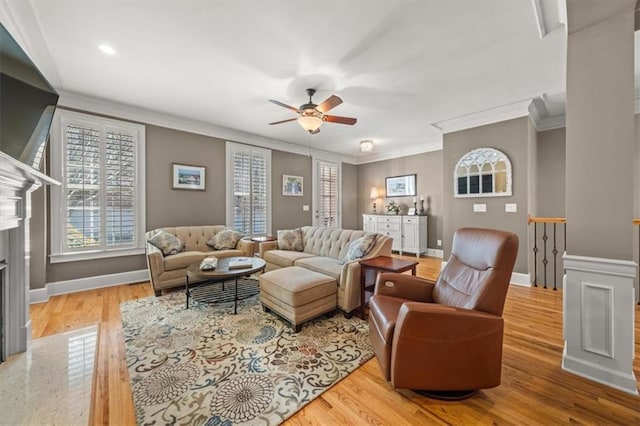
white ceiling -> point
(398, 66)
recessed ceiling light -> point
(107, 49)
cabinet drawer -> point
(383, 227)
(392, 219)
(370, 219)
(393, 234)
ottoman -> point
(297, 294)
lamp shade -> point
(374, 193)
(310, 123)
(366, 146)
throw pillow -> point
(359, 248)
(225, 240)
(167, 243)
(290, 240)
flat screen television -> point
(27, 104)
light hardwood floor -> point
(534, 389)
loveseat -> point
(322, 251)
(169, 270)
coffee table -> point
(381, 264)
(222, 273)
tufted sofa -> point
(170, 271)
(323, 247)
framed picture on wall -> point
(188, 177)
(292, 185)
(401, 186)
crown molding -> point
(23, 24)
(156, 118)
(413, 150)
(551, 15)
(488, 116)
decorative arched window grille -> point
(483, 172)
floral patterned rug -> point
(207, 366)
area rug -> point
(204, 365)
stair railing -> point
(544, 221)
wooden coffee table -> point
(381, 264)
(221, 274)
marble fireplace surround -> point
(17, 182)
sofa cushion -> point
(225, 240)
(328, 242)
(290, 240)
(323, 265)
(359, 248)
(167, 243)
(284, 258)
(183, 260)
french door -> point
(326, 194)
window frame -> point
(318, 161)
(59, 251)
(231, 148)
(481, 160)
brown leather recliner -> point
(445, 337)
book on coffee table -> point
(209, 264)
(240, 263)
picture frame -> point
(292, 186)
(401, 186)
(185, 176)
(412, 211)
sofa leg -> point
(348, 315)
(265, 309)
(296, 327)
(158, 293)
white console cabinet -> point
(409, 233)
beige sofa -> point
(323, 247)
(170, 271)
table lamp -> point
(374, 196)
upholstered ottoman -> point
(298, 294)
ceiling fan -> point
(312, 116)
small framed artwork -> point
(412, 211)
(401, 186)
(188, 177)
(292, 185)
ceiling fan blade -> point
(284, 105)
(284, 121)
(331, 102)
(341, 120)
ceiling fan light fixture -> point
(366, 145)
(310, 123)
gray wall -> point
(350, 211)
(287, 210)
(512, 138)
(427, 166)
(550, 177)
(170, 207)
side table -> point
(381, 264)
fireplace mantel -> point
(17, 182)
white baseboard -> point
(89, 283)
(517, 278)
(623, 381)
(435, 253)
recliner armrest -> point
(405, 287)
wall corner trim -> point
(88, 283)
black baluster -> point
(535, 254)
(544, 259)
(555, 259)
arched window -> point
(483, 172)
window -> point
(327, 193)
(98, 211)
(248, 189)
(483, 172)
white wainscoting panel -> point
(599, 320)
